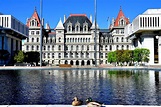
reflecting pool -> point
(135, 87)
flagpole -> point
(40, 33)
(95, 6)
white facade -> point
(145, 32)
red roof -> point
(120, 15)
(34, 16)
(78, 15)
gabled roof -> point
(60, 25)
(34, 16)
(119, 16)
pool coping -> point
(79, 68)
(71, 106)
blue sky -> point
(53, 10)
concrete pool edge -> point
(72, 106)
(79, 68)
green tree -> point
(127, 56)
(145, 54)
(119, 56)
(32, 57)
(111, 57)
(137, 55)
(19, 57)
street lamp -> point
(40, 33)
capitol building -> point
(72, 41)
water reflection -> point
(59, 87)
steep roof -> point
(74, 18)
(59, 25)
(34, 16)
(119, 16)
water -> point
(59, 87)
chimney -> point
(64, 18)
(91, 18)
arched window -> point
(127, 47)
(89, 40)
(77, 28)
(71, 47)
(59, 47)
(82, 47)
(59, 39)
(67, 39)
(122, 39)
(117, 47)
(32, 23)
(32, 39)
(110, 47)
(32, 47)
(75, 39)
(122, 47)
(81, 40)
(117, 39)
(37, 48)
(69, 28)
(37, 39)
(86, 40)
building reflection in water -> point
(60, 86)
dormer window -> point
(77, 27)
(69, 27)
(85, 27)
(122, 22)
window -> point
(48, 48)
(122, 39)
(117, 31)
(27, 39)
(127, 47)
(37, 39)
(37, 48)
(71, 47)
(82, 47)
(32, 47)
(37, 32)
(32, 39)
(69, 28)
(122, 47)
(59, 48)
(59, 39)
(52, 55)
(44, 48)
(32, 32)
(77, 48)
(48, 55)
(59, 55)
(117, 39)
(117, 47)
(53, 47)
(67, 39)
(27, 47)
(87, 47)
